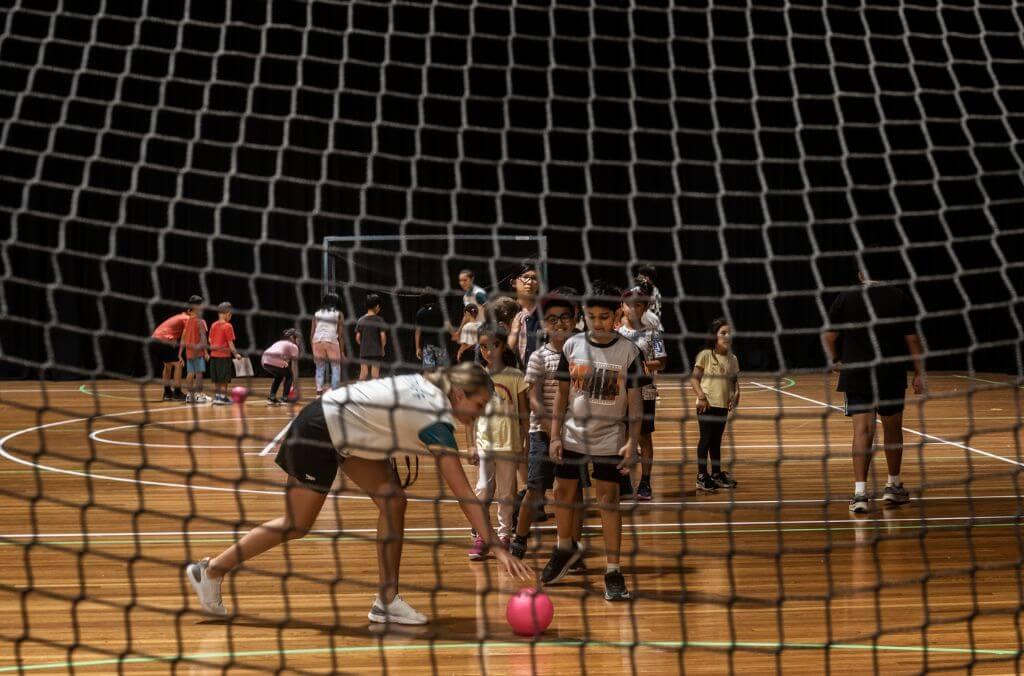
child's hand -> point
(702, 405)
(474, 457)
(627, 453)
(732, 404)
(237, 356)
(555, 450)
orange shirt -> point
(194, 337)
(221, 335)
(172, 328)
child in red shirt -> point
(222, 350)
(194, 346)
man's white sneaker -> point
(396, 612)
(206, 589)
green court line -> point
(872, 525)
(556, 643)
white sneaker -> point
(189, 398)
(396, 612)
(859, 504)
(200, 398)
(206, 589)
(896, 495)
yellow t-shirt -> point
(720, 374)
(497, 430)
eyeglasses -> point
(528, 278)
(554, 319)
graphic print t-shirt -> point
(599, 376)
(652, 347)
(497, 430)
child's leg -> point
(165, 375)
(278, 377)
(321, 369)
(611, 518)
(364, 371)
(177, 376)
(704, 444)
(335, 374)
(646, 456)
(505, 492)
(577, 513)
(199, 381)
(565, 493)
(375, 371)
(717, 430)
(286, 389)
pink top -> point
(280, 354)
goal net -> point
(266, 153)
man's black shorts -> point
(573, 466)
(886, 404)
(307, 453)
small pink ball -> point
(529, 612)
(239, 394)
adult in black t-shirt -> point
(431, 336)
(870, 338)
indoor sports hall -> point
(300, 303)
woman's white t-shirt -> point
(326, 326)
(379, 419)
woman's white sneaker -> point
(396, 612)
(206, 589)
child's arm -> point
(231, 346)
(695, 383)
(734, 402)
(312, 331)
(524, 421)
(537, 401)
(471, 442)
(636, 412)
(359, 336)
(513, 335)
(383, 341)
(920, 383)
(341, 335)
(557, 418)
(828, 341)
(419, 341)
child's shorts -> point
(196, 365)
(221, 370)
(647, 426)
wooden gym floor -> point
(104, 497)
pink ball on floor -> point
(529, 612)
(239, 394)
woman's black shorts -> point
(307, 453)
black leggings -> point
(280, 375)
(712, 427)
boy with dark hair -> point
(222, 349)
(372, 337)
(869, 341)
(647, 274)
(600, 375)
(431, 335)
(193, 350)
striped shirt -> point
(543, 368)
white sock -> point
(860, 487)
(565, 544)
(611, 568)
(894, 480)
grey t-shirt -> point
(369, 328)
(599, 376)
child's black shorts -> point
(222, 369)
(574, 466)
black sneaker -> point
(559, 564)
(723, 480)
(581, 565)
(273, 401)
(178, 396)
(517, 547)
(615, 587)
(643, 491)
(168, 395)
(705, 484)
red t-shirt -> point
(172, 328)
(194, 337)
(221, 335)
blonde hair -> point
(467, 376)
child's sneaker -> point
(179, 396)
(517, 548)
(559, 564)
(895, 495)
(723, 480)
(643, 491)
(200, 398)
(189, 399)
(273, 401)
(396, 612)
(615, 587)
(705, 484)
(580, 565)
(221, 400)
(860, 503)
(168, 395)
(478, 552)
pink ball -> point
(529, 612)
(239, 394)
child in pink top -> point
(281, 360)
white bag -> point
(243, 367)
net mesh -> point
(151, 151)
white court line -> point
(923, 435)
(95, 435)
(277, 439)
(667, 524)
(985, 380)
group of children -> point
(184, 340)
(587, 400)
